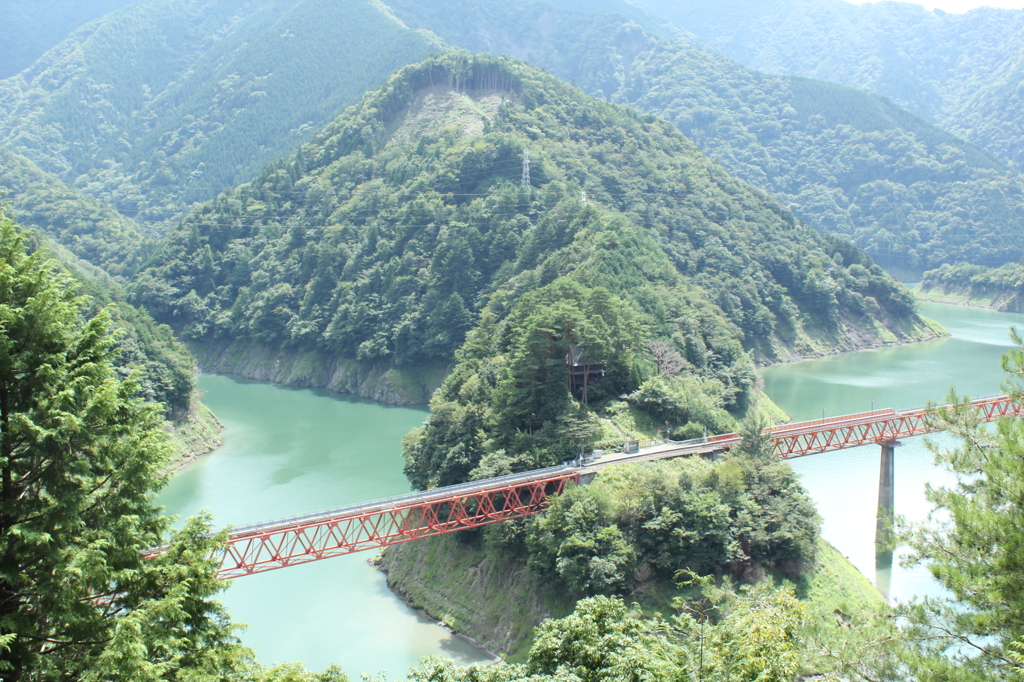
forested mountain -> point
(91, 230)
(960, 71)
(478, 217)
(248, 81)
(162, 104)
(101, 249)
(908, 193)
(1001, 288)
(385, 236)
(31, 27)
(164, 369)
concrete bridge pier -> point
(886, 493)
(883, 519)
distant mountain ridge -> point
(246, 81)
(163, 104)
(31, 27)
(912, 195)
(960, 71)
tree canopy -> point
(80, 454)
(385, 236)
(196, 95)
(973, 543)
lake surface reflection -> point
(288, 451)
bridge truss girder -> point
(826, 435)
(316, 539)
(289, 544)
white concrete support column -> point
(886, 492)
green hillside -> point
(100, 249)
(960, 71)
(200, 94)
(1001, 288)
(164, 368)
(31, 27)
(385, 236)
(89, 229)
(910, 194)
(162, 104)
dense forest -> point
(198, 94)
(385, 237)
(613, 538)
(80, 465)
(481, 217)
(212, 100)
(911, 195)
(82, 452)
(163, 369)
(960, 71)
(636, 527)
(100, 249)
(31, 27)
(91, 230)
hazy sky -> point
(960, 5)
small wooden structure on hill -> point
(581, 372)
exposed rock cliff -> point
(484, 595)
(311, 369)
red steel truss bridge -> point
(372, 525)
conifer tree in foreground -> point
(973, 543)
(80, 456)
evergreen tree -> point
(80, 454)
(974, 545)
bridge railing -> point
(976, 402)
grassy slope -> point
(484, 595)
(196, 435)
(835, 583)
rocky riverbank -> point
(1001, 301)
(854, 336)
(196, 435)
(309, 369)
(484, 595)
